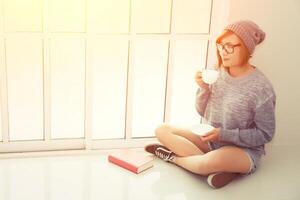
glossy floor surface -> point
(91, 177)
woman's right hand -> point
(199, 80)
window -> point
(90, 74)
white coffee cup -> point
(210, 76)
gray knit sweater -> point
(244, 109)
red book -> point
(131, 160)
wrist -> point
(218, 132)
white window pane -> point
(108, 60)
(151, 16)
(67, 179)
(2, 74)
(191, 16)
(149, 70)
(67, 15)
(25, 88)
(67, 88)
(19, 175)
(23, 15)
(1, 138)
(1, 18)
(109, 16)
(189, 57)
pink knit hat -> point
(248, 32)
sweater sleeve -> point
(202, 97)
(263, 131)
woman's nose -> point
(223, 53)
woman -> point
(240, 105)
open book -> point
(131, 160)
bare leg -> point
(194, 155)
(181, 141)
(225, 159)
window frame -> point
(218, 17)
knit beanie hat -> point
(249, 32)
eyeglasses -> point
(229, 48)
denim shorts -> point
(254, 155)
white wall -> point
(278, 57)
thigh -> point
(187, 134)
(228, 159)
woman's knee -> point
(162, 130)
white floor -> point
(91, 177)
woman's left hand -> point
(212, 135)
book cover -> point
(131, 160)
